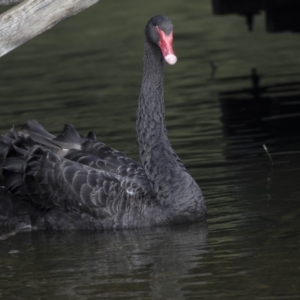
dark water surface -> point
(87, 71)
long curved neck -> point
(161, 164)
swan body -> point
(70, 182)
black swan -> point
(70, 182)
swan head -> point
(159, 30)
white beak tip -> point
(171, 59)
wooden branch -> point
(9, 2)
(32, 17)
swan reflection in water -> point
(154, 263)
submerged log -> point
(32, 17)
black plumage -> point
(72, 182)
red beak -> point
(166, 45)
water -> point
(87, 71)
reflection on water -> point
(261, 115)
(280, 15)
(87, 71)
(128, 264)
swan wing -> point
(73, 174)
(87, 151)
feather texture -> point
(98, 183)
(73, 182)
